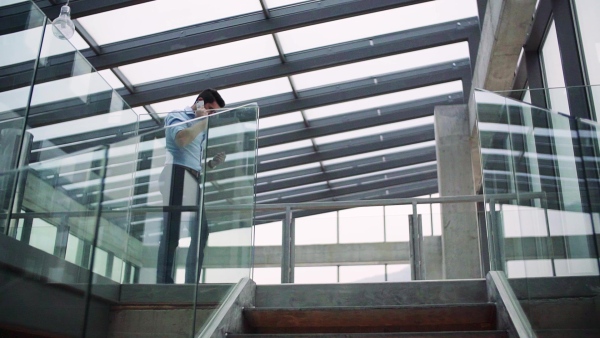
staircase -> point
(411, 309)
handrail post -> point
(288, 244)
(415, 238)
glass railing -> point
(81, 209)
(546, 244)
(557, 99)
(95, 219)
(52, 101)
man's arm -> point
(187, 135)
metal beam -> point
(572, 65)
(238, 28)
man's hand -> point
(218, 159)
(199, 109)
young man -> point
(179, 185)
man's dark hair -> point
(210, 96)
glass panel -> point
(544, 232)
(228, 195)
(587, 11)
(23, 39)
(51, 242)
(553, 74)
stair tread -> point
(404, 318)
(471, 334)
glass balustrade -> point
(81, 210)
(545, 238)
(92, 220)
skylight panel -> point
(383, 22)
(351, 135)
(256, 90)
(284, 147)
(264, 174)
(159, 16)
(385, 65)
(280, 120)
(384, 100)
(164, 107)
(200, 60)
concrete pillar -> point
(460, 235)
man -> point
(179, 185)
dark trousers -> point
(179, 186)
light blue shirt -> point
(191, 155)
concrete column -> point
(460, 235)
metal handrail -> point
(294, 206)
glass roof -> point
(167, 20)
(368, 25)
(161, 15)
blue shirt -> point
(191, 155)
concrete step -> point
(449, 334)
(420, 318)
(372, 294)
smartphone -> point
(199, 104)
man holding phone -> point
(179, 185)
